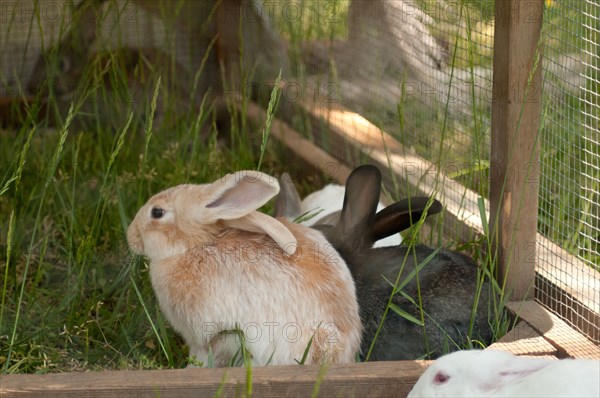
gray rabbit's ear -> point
(403, 214)
(288, 200)
(363, 188)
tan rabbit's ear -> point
(234, 199)
(262, 223)
(236, 195)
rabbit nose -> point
(134, 240)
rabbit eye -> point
(440, 378)
(157, 212)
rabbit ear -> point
(360, 204)
(234, 199)
(512, 369)
(401, 215)
(262, 223)
(234, 196)
(288, 200)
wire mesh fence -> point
(569, 187)
(419, 70)
(30, 26)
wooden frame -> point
(352, 380)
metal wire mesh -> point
(421, 71)
(569, 207)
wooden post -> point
(516, 109)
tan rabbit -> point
(218, 265)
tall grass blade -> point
(16, 176)
(320, 378)
(141, 300)
(405, 315)
(273, 102)
(9, 244)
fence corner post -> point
(516, 116)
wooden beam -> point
(558, 333)
(514, 176)
(304, 149)
(374, 379)
(524, 340)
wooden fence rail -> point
(354, 380)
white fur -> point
(325, 201)
(330, 199)
(492, 373)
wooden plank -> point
(304, 149)
(352, 133)
(515, 148)
(524, 340)
(569, 287)
(568, 342)
(352, 380)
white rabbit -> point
(322, 203)
(327, 204)
(218, 265)
(492, 373)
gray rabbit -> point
(446, 280)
